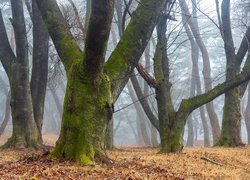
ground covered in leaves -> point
(132, 163)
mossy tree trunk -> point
(231, 122)
(88, 100)
(169, 133)
(171, 122)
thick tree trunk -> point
(88, 101)
(84, 117)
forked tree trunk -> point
(169, 133)
(85, 117)
(25, 131)
(231, 122)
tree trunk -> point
(190, 138)
(231, 122)
(6, 115)
(84, 117)
(25, 132)
(169, 133)
(39, 76)
(247, 115)
(109, 135)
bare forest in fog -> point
(124, 89)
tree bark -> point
(247, 115)
(25, 132)
(39, 76)
(6, 115)
(85, 117)
(231, 122)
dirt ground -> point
(132, 163)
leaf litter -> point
(132, 163)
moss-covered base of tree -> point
(87, 108)
(228, 142)
(171, 141)
(19, 142)
(231, 122)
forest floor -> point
(132, 163)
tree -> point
(26, 125)
(231, 123)
(171, 121)
(92, 84)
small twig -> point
(212, 161)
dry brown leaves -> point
(132, 163)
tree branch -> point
(7, 55)
(65, 44)
(146, 76)
(197, 101)
(97, 35)
(132, 44)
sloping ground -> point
(133, 163)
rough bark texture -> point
(85, 117)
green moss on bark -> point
(86, 107)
